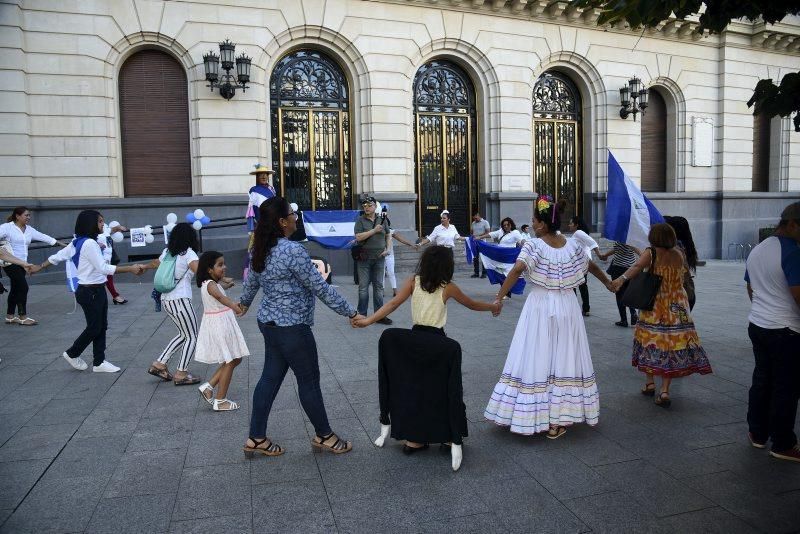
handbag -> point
(642, 290)
(357, 252)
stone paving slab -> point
(84, 452)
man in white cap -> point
(773, 285)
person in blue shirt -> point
(290, 284)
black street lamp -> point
(228, 83)
(628, 96)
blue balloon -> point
(190, 217)
(205, 220)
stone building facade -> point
(426, 104)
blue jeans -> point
(285, 347)
(370, 272)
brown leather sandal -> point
(331, 443)
(163, 374)
(187, 380)
(271, 449)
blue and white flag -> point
(331, 229)
(497, 261)
(629, 214)
(72, 277)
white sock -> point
(384, 434)
(457, 455)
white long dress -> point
(220, 340)
(548, 378)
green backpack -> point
(165, 280)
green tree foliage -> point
(782, 99)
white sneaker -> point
(105, 367)
(77, 363)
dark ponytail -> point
(268, 230)
(16, 212)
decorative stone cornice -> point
(781, 37)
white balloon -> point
(169, 227)
(149, 238)
(117, 237)
(197, 225)
(113, 224)
(148, 229)
(172, 218)
(198, 214)
(294, 207)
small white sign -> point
(138, 237)
(702, 142)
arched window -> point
(761, 153)
(654, 144)
(154, 126)
(309, 104)
(557, 139)
(445, 142)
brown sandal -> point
(556, 432)
(331, 443)
(187, 380)
(649, 389)
(273, 449)
(163, 374)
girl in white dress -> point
(220, 340)
(548, 381)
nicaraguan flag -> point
(629, 214)
(72, 277)
(331, 229)
(497, 261)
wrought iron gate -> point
(556, 140)
(311, 132)
(444, 129)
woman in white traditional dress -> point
(548, 381)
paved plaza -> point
(84, 452)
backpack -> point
(164, 279)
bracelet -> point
(623, 277)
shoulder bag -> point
(642, 290)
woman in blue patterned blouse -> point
(290, 283)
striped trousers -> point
(182, 314)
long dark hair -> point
(268, 229)
(684, 235)
(86, 225)
(16, 212)
(182, 238)
(511, 225)
(578, 221)
(206, 262)
(550, 219)
(435, 268)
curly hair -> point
(510, 222)
(182, 238)
(435, 268)
(268, 230)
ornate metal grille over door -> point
(556, 140)
(445, 141)
(311, 131)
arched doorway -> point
(154, 126)
(309, 106)
(445, 145)
(654, 144)
(557, 140)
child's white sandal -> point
(206, 387)
(218, 403)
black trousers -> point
(584, 289)
(475, 263)
(18, 296)
(94, 303)
(615, 271)
(774, 393)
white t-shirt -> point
(586, 241)
(183, 290)
(507, 240)
(772, 267)
(445, 237)
(21, 240)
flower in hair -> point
(543, 203)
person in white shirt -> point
(178, 305)
(524, 230)
(444, 235)
(580, 233)
(773, 285)
(389, 252)
(19, 234)
(92, 270)
(507, 235)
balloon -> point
(197, 225)
(206, 219)
(169, 227)
(198, 214)
(172, 218)
(148, 229)
(117, 237)
(149, 238)
(294, 207)
(113, 224)
(190, 218)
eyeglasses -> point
(367, 204)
